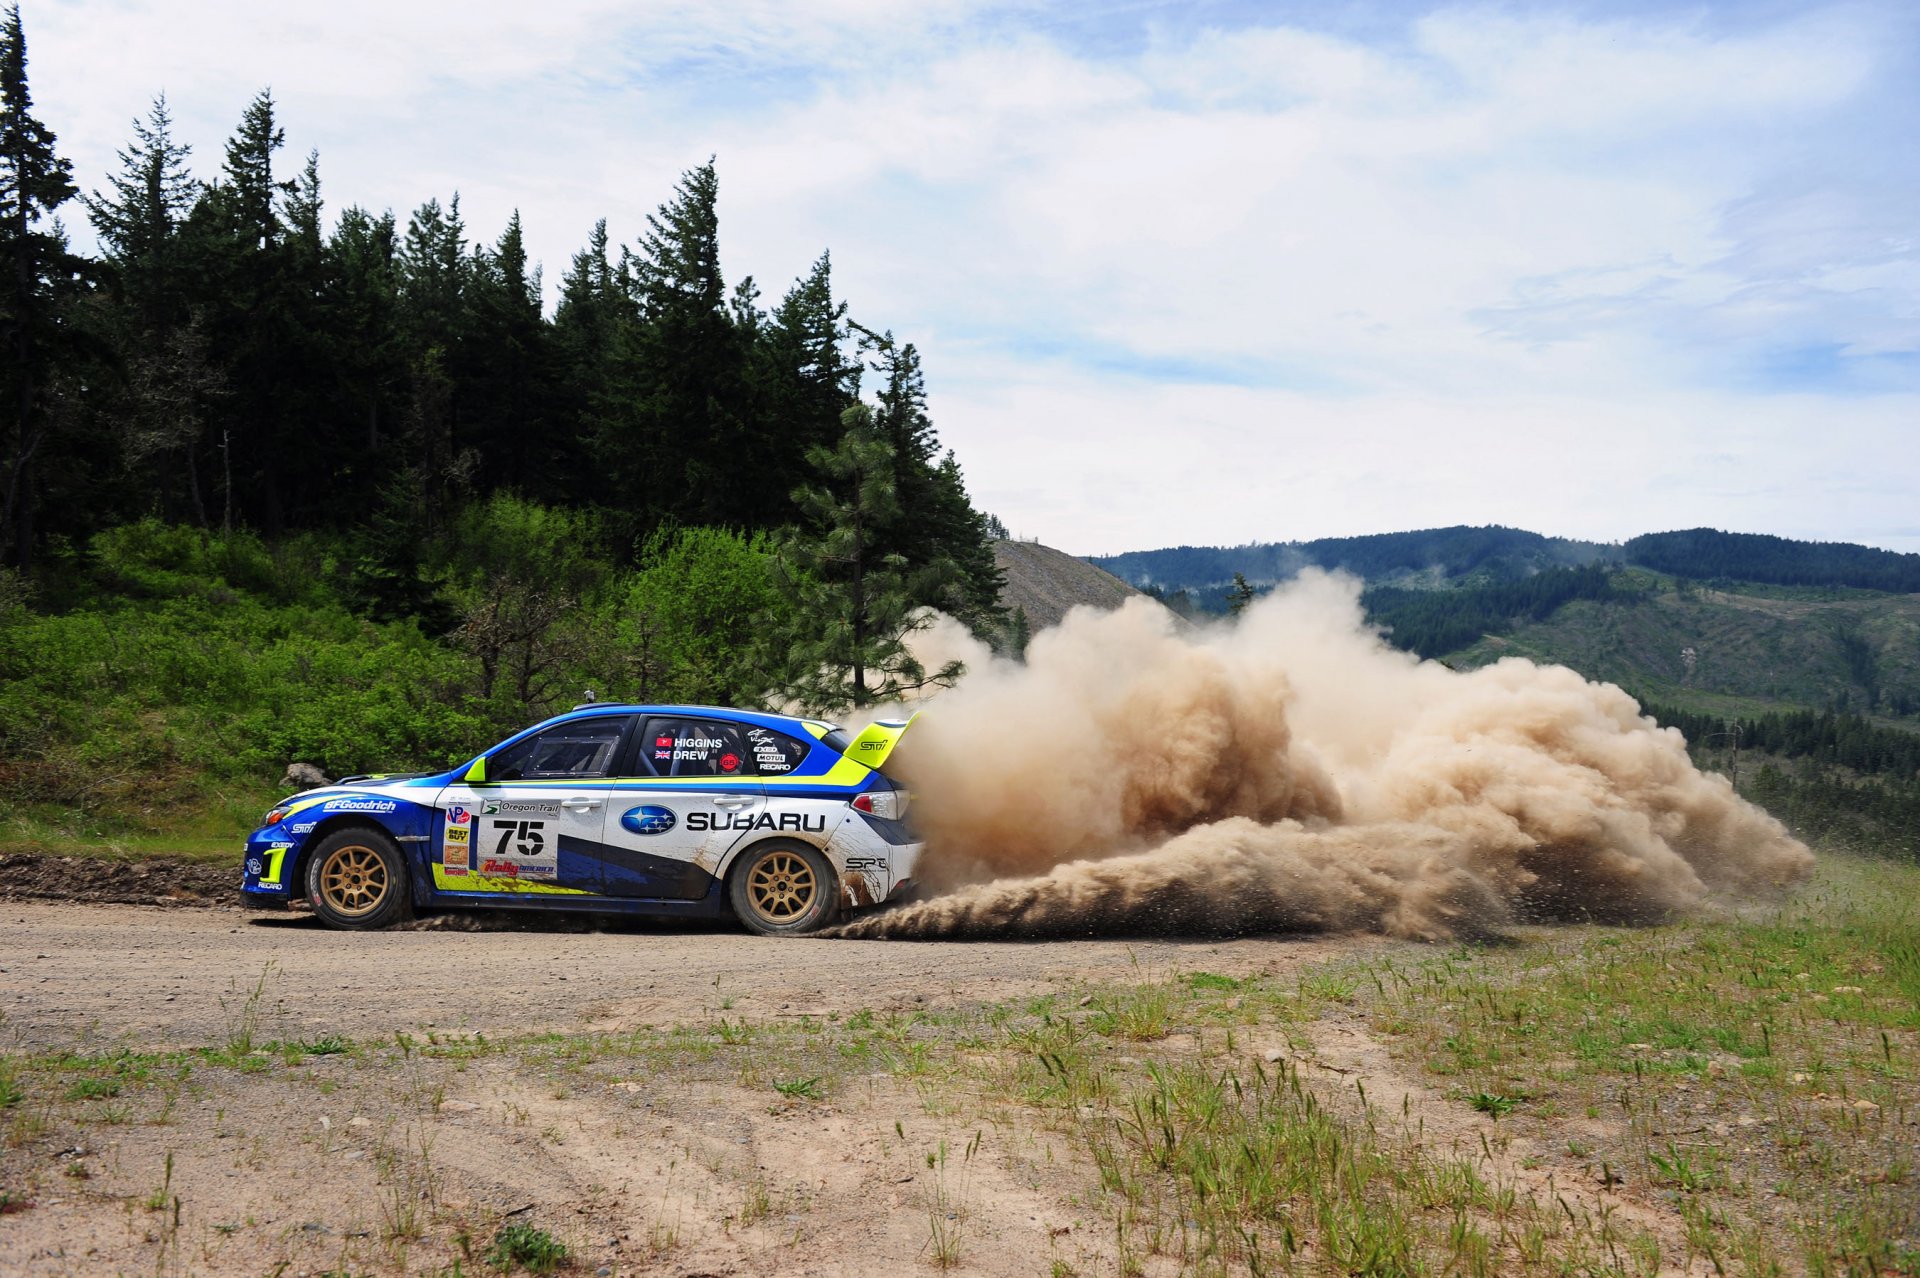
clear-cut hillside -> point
(1045, 583)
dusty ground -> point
(381, 1159)
(153, 978)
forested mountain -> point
(1707, 554)
(1442, 557)
(1437, 554)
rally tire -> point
(357, 880)
(784, 888)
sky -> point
(1203, 273)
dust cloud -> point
(1292, 772)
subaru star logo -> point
(649, 819)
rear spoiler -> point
(877, 740)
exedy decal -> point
(756, 821)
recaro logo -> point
(648, 819)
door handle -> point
(579, 804)
(729, 801)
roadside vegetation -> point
(1733, 1094)
(280, 483)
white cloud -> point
(1422, 270)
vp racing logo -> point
(648, 819)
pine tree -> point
(1240, 595)
(363, 315)
(677, 443)
(860, 601)
(170, 376)
(505, 369)
(41, 277)
(138, 219)
(246, 288)
(945, 528)
(434, 280)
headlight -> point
(274, 817)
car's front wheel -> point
(357, 880)
(784, 888)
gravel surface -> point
(160, 975)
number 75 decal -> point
(526, 836)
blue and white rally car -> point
(663, 810)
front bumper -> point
(266, 868)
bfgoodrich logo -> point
(649, 819)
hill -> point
(1442, 557)
(1709, 554)
(1730, 650)
(1700, 620)
(1045, 583)
(1429, 556)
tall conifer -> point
(40, 274)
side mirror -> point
(477, 774)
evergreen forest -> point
(283, 482)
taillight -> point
(888, 805)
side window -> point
(774, 753)
(695, 748)
(583, 748)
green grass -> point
(528, 1248)
(197, 821)
(1786, 1038)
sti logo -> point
(648, 819)
(458, 816)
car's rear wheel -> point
(784, 888)
(357, 880)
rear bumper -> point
(875, 857)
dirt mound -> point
(159, 881)
(1045, 583)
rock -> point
(303, 776)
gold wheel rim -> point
(354, 880)
(781, 886)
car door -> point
(689, 796)
(533, 824)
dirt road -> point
(158, 978)
(821, 1111)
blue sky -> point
(1202, 273)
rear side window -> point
(774, 753)
(694, 748)
(582, 748)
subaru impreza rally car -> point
(665, 810)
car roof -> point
(783, 722)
